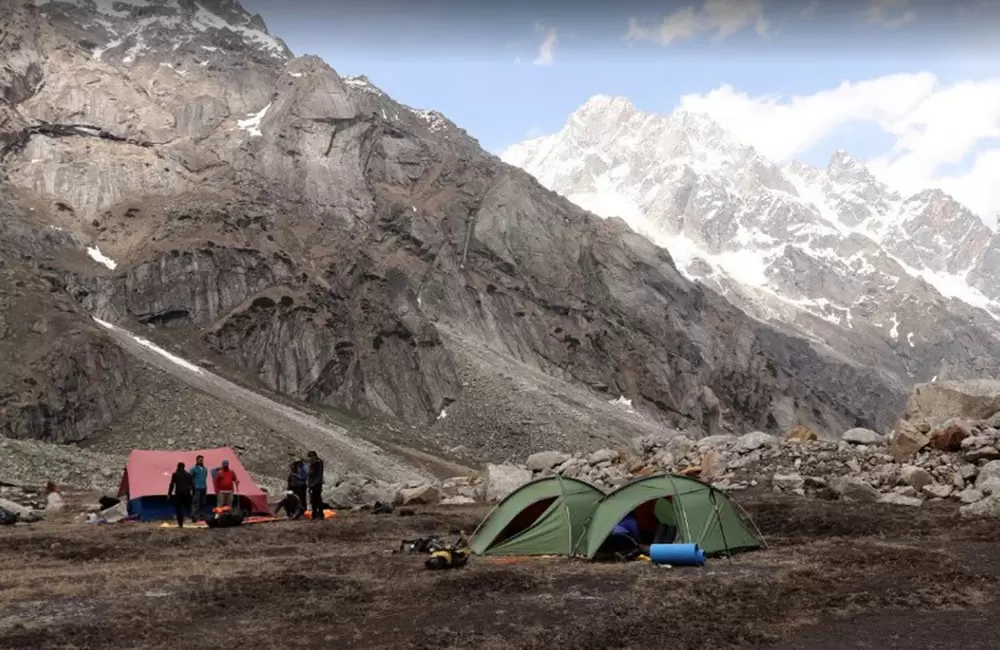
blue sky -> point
(478, 63)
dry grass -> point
(336, 584)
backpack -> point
(7, 518)
(225, 517)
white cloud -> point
(889, 13)
(547, 49)
(724, 17)
(809, 9)
(935, 127)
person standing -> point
(315, 485)
(298, 481)
(199, 476)
(180, 491)
(226, 482)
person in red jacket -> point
(226, 483)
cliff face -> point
(347, 250)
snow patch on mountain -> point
(252, 123)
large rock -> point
(851, 488)
(603, 456)
(986, 507)
(546, 460)
(753, 441)
(906, 441)
(989, 471)
(900, 500)
(713, 464)
(422, 495)
(801, 433)
(915, 477)
(788, 481)
(861, 436)
(355, 490)
(940, 401)
(970, 495)
(949, 438)
(501, 480)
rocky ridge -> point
(903, 285)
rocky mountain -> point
(902, 285)
(168, 167)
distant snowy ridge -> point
(786, 240)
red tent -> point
(147, 474)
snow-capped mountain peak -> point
(810, 247)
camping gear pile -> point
(442, 555)
(226, 517)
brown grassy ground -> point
(836, 576)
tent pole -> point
(753, 523)
(722, 529)
(680, 504)
(569, 517)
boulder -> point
(422, 495)
(990, 470)
(851, 488)
(603, 456)
(801, 433)
(985, 507)
(989, 452)
(716, 442)
(501, 480)
(546, 460)
(989, 486)
(915, 477)
(906, 441)
(861, 436)
(460, 486)
(940, 401)
(356, 490)
(900, 500)
(788, 482)
(713, 464)
(937, 490)
(950, 438)
(753, 441)
(970, 495)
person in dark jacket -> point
(315, 485)
(293, 507)
(298, 481)
(181, 492)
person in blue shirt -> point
(199, 475)
(624, 540)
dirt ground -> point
(836, 575)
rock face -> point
(334, 246)
(938, 402)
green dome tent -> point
(703, 514)
(547, 516)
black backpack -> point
(226, 518)
(7, 518)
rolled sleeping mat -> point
(677, 554)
